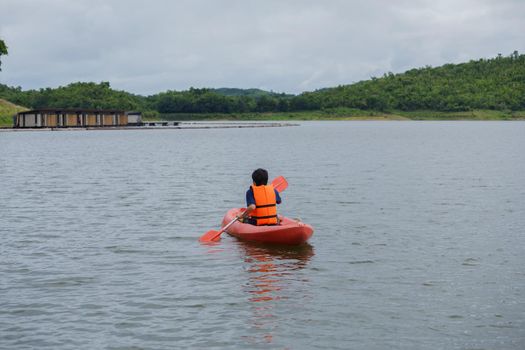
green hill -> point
(494, 84)
(7, 111)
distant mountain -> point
(235, 92)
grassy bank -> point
(7, 110)
(351, 114)
(335, 114)
(465, 115)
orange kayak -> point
(287, 232)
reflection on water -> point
(270, 266)
(273, 276)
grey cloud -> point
(292, 46)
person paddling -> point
(261, 201)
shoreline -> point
(278, 119)
(334, 114)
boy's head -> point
(260, 177)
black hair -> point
(260, 177)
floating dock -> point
(163, 125)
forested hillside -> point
(76, 95)
(497, 83)
(494, 84)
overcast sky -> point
(146, 47)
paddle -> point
(279, 183)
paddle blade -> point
(210, 236)
(214, 236)
(280, 183)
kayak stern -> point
(289, 231)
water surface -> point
(418, 244)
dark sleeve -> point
(277, 197)
(250, 199)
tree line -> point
(497, 83)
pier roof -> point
(72, 110)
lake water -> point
(419, 238)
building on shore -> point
(134, 118)
(71, 118)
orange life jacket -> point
(265, 212)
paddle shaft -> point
(225, 228)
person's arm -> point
(250, 204)
(248, 210)
(277, 197)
